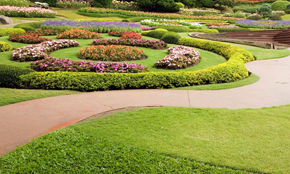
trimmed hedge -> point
(230, 71)
(204, 30)
(155, 33)
(5, 47)
(175, 28)
(279, 5)
(171, 37)
(8, 31)
(9, 75)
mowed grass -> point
(250, 139)
(10, 96)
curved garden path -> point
(21, 122)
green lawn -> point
(10, 96)
(247, 139)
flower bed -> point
(154, 44)
(41, 51)
(168, 22)
(72, 3)
(54, 64)
(27, 38)
(104, 11)
(179, 57)
(44, 32)
(29, 12)
(18, 3)
(265, 24)
(198, 12)
(125, 34)
(111, 53)
(78, 34)
(94, 26)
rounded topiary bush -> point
(180, 5)
(287, 9)
(279, 5)
(265, 10)
(157, 33)
(10, 75)
(171, 37)
(5, 47)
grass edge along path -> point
(71, 151)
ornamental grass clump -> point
(72, 3)
(154, 44)
(179, 57)
(41, 51)
(27, 38)
(58, 64)
(29, 12)
(126, 34)
(111, 53)
(78, 34)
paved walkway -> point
(21, 122)
(21, 22)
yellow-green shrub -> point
(5, 47)
(8, 31)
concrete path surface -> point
(21, 122)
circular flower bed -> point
(27, 38)
(179, 57)
(154, 44)
(58, 64)
(41, 51)
(126, 34)
(78, 34)
(111, 53)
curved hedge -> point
(8, 31)
(230, 71)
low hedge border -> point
(31, 26)
(230, 71)
(8, 31)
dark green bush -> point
(232, 70)
(158, 5)
(265, 10)
(156, 33)
(279, 5)
(171, 37)
(5, 47)
(51, 3)
(102, 3)
(175, 28)
(9, 75)
(204, 30)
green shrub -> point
(180, 5)
(287, 9)
(51, 3)
(29, 26)
(158, 5)
(156, 33)
(175, 28)
(8, 31)
(102, 3)
(160, 29)
(248, 9)
(5, 47)
(275, 17)
(9, 75)
(17, 3)
(279, 5)
(232, 70)
(265, 10)
(239, 14)
(188, 3)
(204, 30)
(171, 37)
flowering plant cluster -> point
(54, 64)
(45, 32)
(72, 3)
(94, 26)
(179, 57)
(281, 13)
(264, 24)
(168, 22)
(41, 51)
(29, 12)
(78, 34)
(155, 15)
(216, 24)
(255, 16)
(213, 27)
(125, 5)
(125, 34)
(154, 44)
(147, 28)
(26, 38)
(111, 53)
